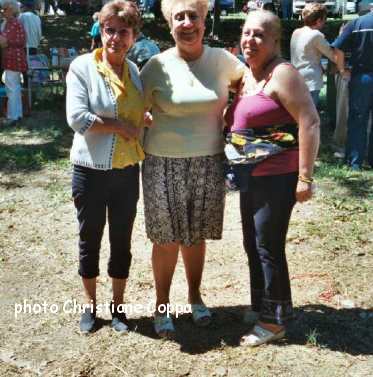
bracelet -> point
(304, 179)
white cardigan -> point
(89, 95)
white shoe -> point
(259, 335)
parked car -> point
(335, 8)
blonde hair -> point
(313, 12)
(126, 10)
(269, 21)
(168, 5)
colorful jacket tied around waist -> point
(251, 146)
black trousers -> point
(265, 211)
(111, 194)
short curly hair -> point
(313, 12)
(168, 5)
(126, 10)
(13, 4)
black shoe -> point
(119, 321)
(87, 321)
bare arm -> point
(290, 89)
(340, 62)
(324, 47)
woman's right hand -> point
(124, 129)
(148, 119)
(127, 131)
(304, 191)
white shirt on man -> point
(32, 24)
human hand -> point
(128, 131)
(346, 74)
(304, 191)
(148, 119)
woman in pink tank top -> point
(272, 94)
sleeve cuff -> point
(91, 118)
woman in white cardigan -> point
(105, 108)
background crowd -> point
(19, 38)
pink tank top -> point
(259, 111)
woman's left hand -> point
(148, 119)
(304, 191)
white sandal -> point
(201, 315)
(259, 335)
(164, 326)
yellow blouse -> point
(130, 107)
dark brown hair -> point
(126, 10)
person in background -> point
(105, 108)
(32, 24)
(187, 88)
(273, 103)
(142, 50)
(357, 39)
(341, 101)
(45, 6)
(13, 40)
(95, 33)
(268, 5)
(307, 45)
(286, 9)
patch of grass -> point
(57, 192)
(312, 338)
(35, 143)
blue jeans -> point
(287, 9)
(315, 94)
(360, 103)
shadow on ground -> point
(344, 330)
(53, 143)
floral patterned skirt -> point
(183, 198)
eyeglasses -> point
(192, 16)
(111, 32)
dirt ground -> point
(332, 335)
